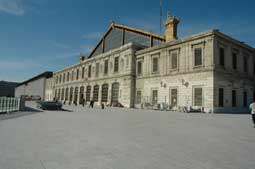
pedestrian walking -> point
(252, 107)
(83, 102)
(102, 105)
(91, 104)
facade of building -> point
(34, 87)
(209, 71)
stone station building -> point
(135, 68)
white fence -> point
(8, 105)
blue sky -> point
(42, 35)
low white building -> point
(34, 87)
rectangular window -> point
(82, 73)
(221, 97)
(174, 61)
(198, 56)
(77, 74)
(174, 97)
(198, 97)
(68, 74)
(72, 75)
(234, 61)
(154, 97)
(222, 56)
(138, 97)
(245, 64)
(233, 98)
(245, 99)
(116, 64)
(139, 67)
(155, 65)
(106, 67)
(97, 69)
(89, 71)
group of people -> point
(92, 102)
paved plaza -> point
(115, 138)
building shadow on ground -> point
(27, 111)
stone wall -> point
(184, 78)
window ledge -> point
(174, 70)
(155, 73)
(198, 66)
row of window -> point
(198, 61)
(71, 94)
(197, 97)
(221, 98)
(222, 57)
(173, 61)
(71, 76)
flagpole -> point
(160, 24)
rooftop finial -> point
(112, 23)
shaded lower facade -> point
(108, 92)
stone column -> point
(109, 100)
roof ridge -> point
(114, 24)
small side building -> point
(7, 88)
(49, 96)
(34, 87)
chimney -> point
(171, 25)
(82, 58)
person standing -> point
(252, 107)
(83, 102)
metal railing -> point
(8, 105)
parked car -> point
(49, 105)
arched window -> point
(76, 95)
(95, 93)
(81, 94)
(59, 91)
(88, 93)
(105, 93)
(71, 94)
(66, 96)
(62, 94)
(115, 92)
